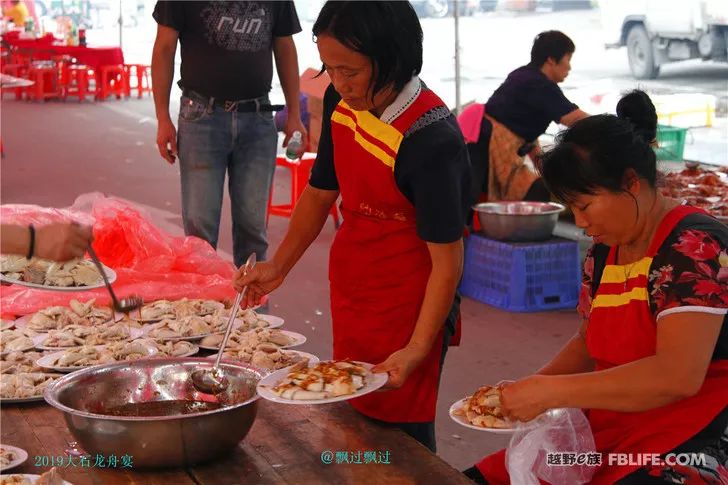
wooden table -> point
(285, 445)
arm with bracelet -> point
(58, 242)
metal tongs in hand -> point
(211, 381)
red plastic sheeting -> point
(148, 262)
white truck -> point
(656, 32)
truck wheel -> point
(639, 52)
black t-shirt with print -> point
(227, 46)
(432, 170)
(527, 102)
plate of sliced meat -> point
(11, 456)
(321, 383)
(482, 411)
(74, 275)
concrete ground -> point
(56, 151)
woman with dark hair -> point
(394, 153)
(650, 361)
(637, 108)
(517, 113)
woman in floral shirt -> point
(650, 362)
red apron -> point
(621, 330)
(379, 267)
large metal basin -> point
(518, 221)
(160, 441)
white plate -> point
(135, 314)
(3, 354)
(209, 347)
(16, 400)
(22, 324)
(146, 328)
(110, 274)
(22, 455)
(33, 478)
(46, 360)
(273, 321)
(134, 333)
(265, 385)
(463, 421)
(312, 359)
(195, 349)
(299, 339)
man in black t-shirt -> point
(517, 113)
(225, 122)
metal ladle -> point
(212, 381)
(126, 304)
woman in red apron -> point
(650, 363)
(393, 152)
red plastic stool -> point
(300, 173)
(46, 83)
(78, 82)
(21, 56)
(142, 73)
(63, 62)
(20, 71)
(112, 82)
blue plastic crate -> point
(522, 277)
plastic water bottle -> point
(294, 145)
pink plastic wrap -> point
(148, 262)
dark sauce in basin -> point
(161, 408)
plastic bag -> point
(34, 214)
(148, 261)
(556, 431)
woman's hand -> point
(525, 399)
(400, 365)
(261, 280)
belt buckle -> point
(230, 105)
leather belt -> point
(243, 105)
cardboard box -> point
(314, 88)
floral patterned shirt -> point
(688, 273)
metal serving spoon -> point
(127, 304)
(212, 381)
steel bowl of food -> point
(518, 221)
(150, 410)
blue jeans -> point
(212, 142)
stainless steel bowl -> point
(518, 221)
(164, 441)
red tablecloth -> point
(44, 48)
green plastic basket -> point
(670, 142)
